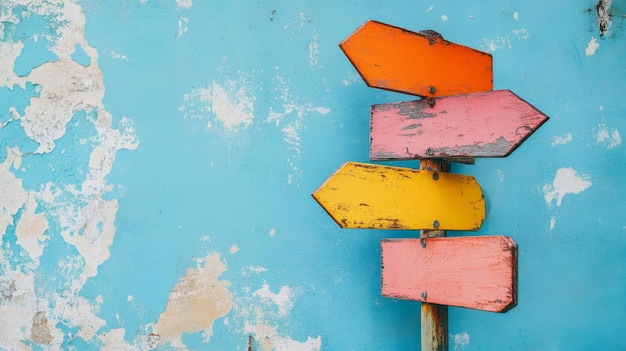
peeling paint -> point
(566, 181)
(592, 46)
(282, 299)
(610, 138)
(197, 300)
(231, 104)
(460, 340)
(562, 139)
(314, 52)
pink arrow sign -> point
(477, 272)
(486, 124)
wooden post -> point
(434, 317)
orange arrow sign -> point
(393, 58)
(361, 195)
(473, 272)
(488, 124)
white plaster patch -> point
(183, 25)
(246, 271)
(272, 232)
(270, 340)
(430, 8)
(501, 175)
(461, 340)
(497, 43)
(12, 194)
(282, 299)
(30, 229)
(607, 137)
(566, 181)
(113, 340)
(234, 249)
(516, 16)
(183, 4)
(314, 52)
(521, 33)
(552, 222)
(195, 303)
(444, 18)
(562, 139)
(231, 104)
(592, 46)
(291, 117)
(115, 55)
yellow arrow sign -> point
(361, 195)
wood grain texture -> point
(361, 195)
(396, 59)
(434, 317)
(473, 272)
(488, 124)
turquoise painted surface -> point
(157, 161)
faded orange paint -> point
(473, 272)
(396, 59)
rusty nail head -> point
(424, 295)
(430, 151)
(436, 176)
(436, 224)
(432, 89)
(431, 102)
(423, 242)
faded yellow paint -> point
(361, 195)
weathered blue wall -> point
(157, 160)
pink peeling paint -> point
(473, 272)
(487, 124)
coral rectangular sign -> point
(474, 272)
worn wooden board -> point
(396, 59)
(487, 124)
(474, 272)
(361, 195)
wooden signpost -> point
(458, 118)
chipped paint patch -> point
(282, 299)
(234, 249)
(198, 299)
(231, 104)
(290, 114)
(314, 52)
(247, 271)
(566, 181)
(184, 4)
(552, 222)
(501, 175)
(562, 139)
(497, 43)
(592, 46)
(607, 137)
(460, 340)
(444, 18)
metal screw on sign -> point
(431, 102)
